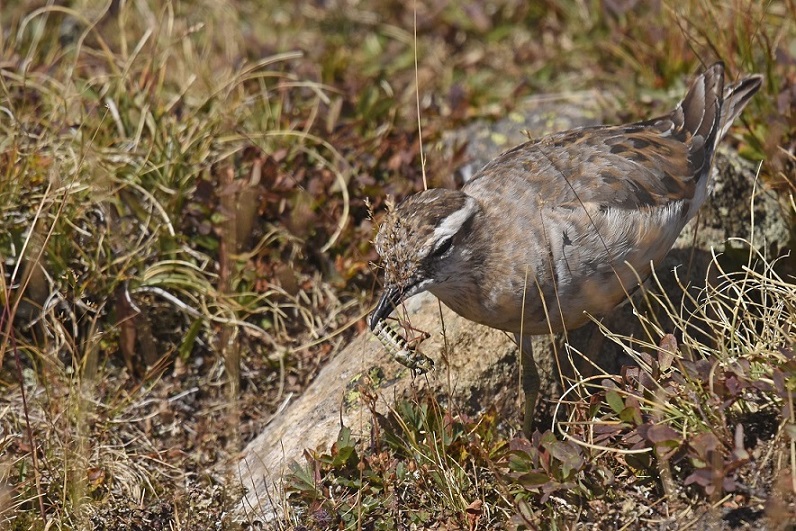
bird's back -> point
(587, 210)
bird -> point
(558, 229)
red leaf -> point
(660, 433)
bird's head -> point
(422, 246)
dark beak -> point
(389, 300)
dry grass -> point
(184, 240)
(133, 145)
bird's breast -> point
(547, 269)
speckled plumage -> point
(565, 226)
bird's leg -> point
(530, 381)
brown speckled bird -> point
(557, 229)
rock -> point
(473, 370)
(477, 367)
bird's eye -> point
(443, 247)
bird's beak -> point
(390, 298)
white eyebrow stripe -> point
(453, 223)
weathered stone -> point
(474, 371)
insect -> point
(400, 349)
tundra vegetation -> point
(185, 240)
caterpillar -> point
(400, 349)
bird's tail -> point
(736, 96)
(708, 110)
(699, 114)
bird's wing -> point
(648, 164)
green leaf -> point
(186, 347)
(301, 479)
(532, 480)
(344, 449)
(631, 415)
(614, 401)
(640, 462)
